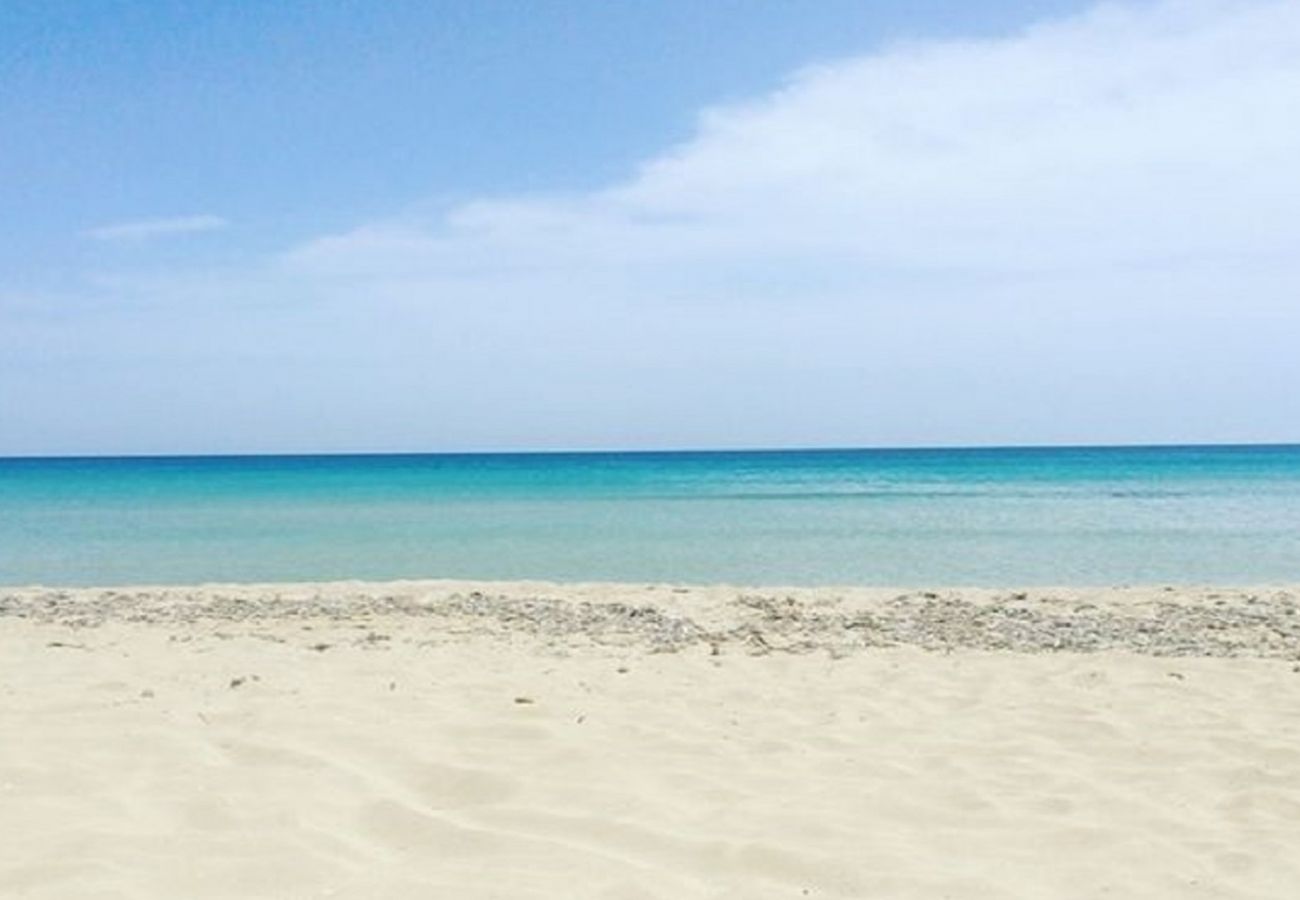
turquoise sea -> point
(908, 517)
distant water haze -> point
(909, 517)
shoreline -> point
(1166, 621)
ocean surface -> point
(1133, 515)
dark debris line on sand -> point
(1235, 624)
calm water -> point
(980, 516)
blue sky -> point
(491, 225)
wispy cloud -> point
(147, 229)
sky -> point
(437, 226)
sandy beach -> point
(515, 740)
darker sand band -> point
(1152, 621)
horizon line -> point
(650, 452)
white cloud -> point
(146, 229)
(1128, 136)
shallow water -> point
(942, 516)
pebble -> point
(1220, 624)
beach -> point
(525, 739)
(650, 451)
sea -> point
(907, 517)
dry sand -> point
(418, 740)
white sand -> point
(228, 759)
